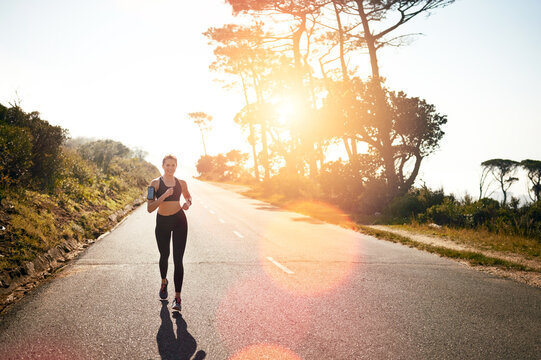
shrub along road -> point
(260, 280)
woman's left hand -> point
(185, 206)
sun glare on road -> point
(319, 260)
(266, 351)
(255, 311)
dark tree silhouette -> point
(484, 187)
(239, 51)
(202, 120)
(503, 171)
(376, 26)
(415, 128)
(533, 168)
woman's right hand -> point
(168, 192)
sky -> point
(131, 70)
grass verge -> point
(472, 257)
(480, 238)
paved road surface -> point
(264, 282)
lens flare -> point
(286, 112)
(265, 351)
(255, 311)
(320, 256)
(43, 348)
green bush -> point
(342, 184)
(449, 212)
(43, 161)
(15, 155)
(72, 199)
(294, 186)
(410, 205)
(482, 212)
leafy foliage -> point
(503, 171)
(43, 162)
(102, 152)
(50, 192)
(533, 168)
(16, 155)
(224, 167)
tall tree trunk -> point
(386, 150)
(348, 148)
(263, 120)
(203, 138)
(345, 76)
(504, 192)
(297, 142)
(252, 131)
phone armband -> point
(151, 193)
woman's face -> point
(169, 167)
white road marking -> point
(222, 221)
(212, 211)
(286, 270)
(238, 234)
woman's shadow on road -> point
(181, 346)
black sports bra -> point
(163, 188)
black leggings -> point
(177, 224)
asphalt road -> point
(262, 283)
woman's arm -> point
(186, 195)
(154, 204)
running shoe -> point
(163, 290)
(176, 304)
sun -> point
(286, 112)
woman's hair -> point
(169, 157)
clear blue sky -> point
(130, 70)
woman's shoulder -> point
(155, 182)
(182, 182)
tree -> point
(202, 120)
(381, 17)
(15, 155)
(415, 128)
(533, 167)
(300, 17)
(483, 186)
(235, 163)
(204, 165)
(46, 140)
(373, 15)
(239, 51)
(503, 171)
(46, 150)
(102, 152)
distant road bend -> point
(261, 282)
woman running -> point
(170, 219)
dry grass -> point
(472, 257)
(480, 239)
